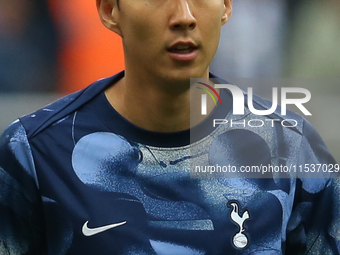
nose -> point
(182, 18)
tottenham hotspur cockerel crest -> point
(240, 240)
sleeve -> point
(21, 217)
(314, 225)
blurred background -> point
(49, 48)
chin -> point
(185, 74)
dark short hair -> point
(118, 4)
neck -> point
(159, 106)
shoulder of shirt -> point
(35, 122)
(311, 140)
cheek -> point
(141, 33)
(211, 30)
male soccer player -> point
(107, 170)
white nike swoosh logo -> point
(93, 231)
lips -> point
(182, 48)
(183, 51)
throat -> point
(151, 110)
(161, 115)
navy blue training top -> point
(78, 178)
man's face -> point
(170, 39)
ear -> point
(227, 11)
(109, 14)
